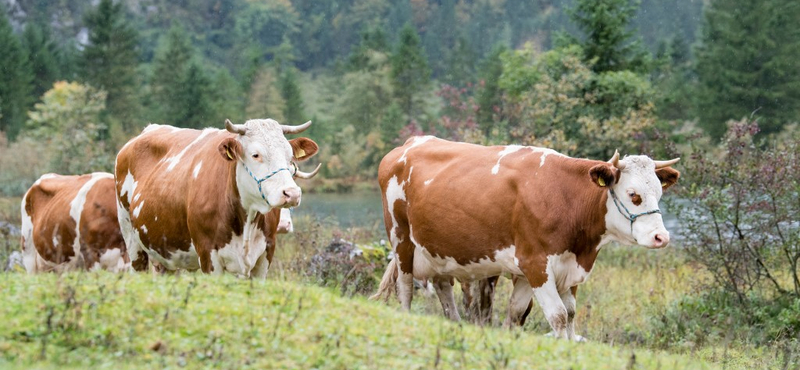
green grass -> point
(102, 320)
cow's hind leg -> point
(133, 243)
(444, 290)
(520, 303)
(405, 276)
(568, 298)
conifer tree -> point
(193, 103)
(608, 39)
(490, 97)
(410, 72)
(290, 91)
(748, 62)
(170, 67)
(15, 79)
(41, 56)
(109, 60)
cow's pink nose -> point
(292, 196)
(660, 240)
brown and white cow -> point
(209, 199)
(285, 225)
(456, 210)
(70, 222)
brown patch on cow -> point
(303, 148)
(604, 175)
(230, 149)
(636, 199)
(668, 176)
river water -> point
(364, 209)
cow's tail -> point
(388, 282)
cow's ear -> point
(668, 176)
(604, 175)
(230, 149)
(303, 148)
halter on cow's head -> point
(635, 185)
(265, 162)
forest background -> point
(714, 82)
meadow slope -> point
(102, 320)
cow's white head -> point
(265, 162)
(285, 226)
(635, 185)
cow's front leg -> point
(553, 307)
(520, 302)
(444, 290)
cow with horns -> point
(463, 211)
(209, 199)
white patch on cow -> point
(241, 260)
(29, 253)
(76, 208)
(174, 160)
(128, 187)
(156, 218)
(44, 177)
(417, 141)
(394, 191)
(544, 152)
(138, 209)
(516, 261)
(427, 266)
(405, 288)
(111, 260)
(410, 170)
(197, 169)
(567, 271)
(508, 150)
(427, 182)
(144, 229)
(136, 197)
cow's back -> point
(71, 222)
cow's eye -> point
(255, 155)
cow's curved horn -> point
(236, 129)
(662, 164)
(295, 129)
(615, 160)
(307, 175)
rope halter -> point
(627, 214)
(265, 178)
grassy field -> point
(102, 320)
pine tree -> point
(410, 72)
(460, 64)
(290, 91)
(193, 105)
(608, 38)
(41, 56)
(490, 94)
(170, 67)
(373, 39)
(109, 60)
(15, 80)
(265, 100)
(747, 62)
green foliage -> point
(109, 60)
(15, 80)
(265, 99)
(557, 101)
(410, 72)
(747, 62)
(740, 214)
(68, 124)
(373, 40)
(101, 320)
(265, 26)
(608, 40)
